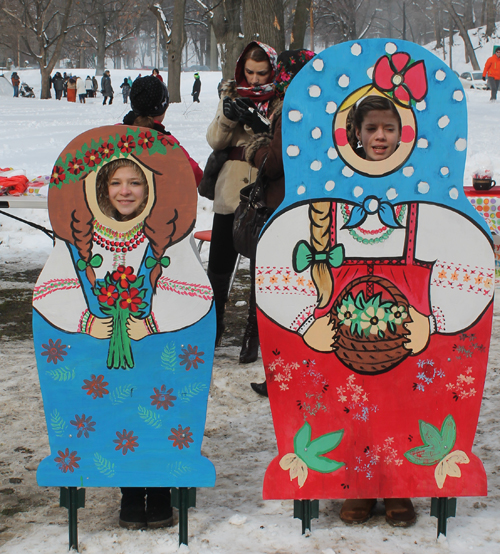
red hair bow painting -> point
(398, 76)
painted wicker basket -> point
(371, 354)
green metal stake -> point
(183, 498)
(443, 508)
(306, 510)
(72, 499)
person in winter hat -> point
(106, 88)
(196, 88)
(246, 103)
(15, 83)
(125, 86)
(269, 145)
(492, 69)
(149, 103)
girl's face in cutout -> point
(257, 73)
(379, 134)
(126, 191)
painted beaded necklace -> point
(118, 242)
(386, 231)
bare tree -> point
(301, 18)
(226, 24)
(463, 33)
(264, 20)
(45, 24)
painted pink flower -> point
(54, 351)
(96, 386)
(162, 398)
(126, 441)
(67, 461)
(181, 437)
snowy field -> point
(231, 517)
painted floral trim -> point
(359, 234)
(86, 322)
(310, 454)
(91, 156)
(437, 449)
(185, 289)
(54, 285)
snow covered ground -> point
(231, 517)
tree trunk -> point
(227, 30)
(101, 43)
(300, 19)
(438, 28)
(463, 33)
(175, 51)
(491, 12)
(264, 20)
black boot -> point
(250, 347)
(159, 509)
(220, 285)
(260, 388)
(133, 508)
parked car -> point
(473, 79)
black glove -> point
(484, 78)
(248, 114)
(229, 109)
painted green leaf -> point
(61, 373)
(168, 357)
(437, 444)
(311, 452)
(57, 423)
(150, 417)
(104, 466)
(178, 468)
(302, 439)
(325, 443)
(190, 391)
(120, 394)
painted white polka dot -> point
(408, 171)
(391, 194)
(422, 143)
(421, 106)
(445, 170)
(453, 193)
(318, 64)
(369, 73)
(293, 150)
(356, 49)
(314, 91)
(329, 185)
(443, 121)
(373, 205)
(458, 95)
(332, 153)
(440, 75)
(461, 144)
(316, 165)
(295, 115)
(316, 133)
(423, 187)
(331, 107)
(344, 81)
(358, 191)
(301, 189)
(390, 48)
(347, 172)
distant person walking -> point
(89, 87)
(106, 88)
(15, 83)
(81, 90)
(196, 88)
(156, 74)
(58, 84)
(71, 89)
(65, 84)
(95, 85)
(125, 90)
(492, 69)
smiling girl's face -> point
(127, 191)
(379, 134)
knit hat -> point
(290, 62)
(149, 96)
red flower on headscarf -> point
(92, 158)
(126, 143)
(75, 166)
(146, 139)
(106, 150)
(397, 75)
(57, 176)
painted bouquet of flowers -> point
(371, 330)
(120, 295)
(372, 316)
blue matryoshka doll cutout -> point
(123, 321)
(375, 282)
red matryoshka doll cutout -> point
(122, 317)
(375, 281)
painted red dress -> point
(371, 420)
